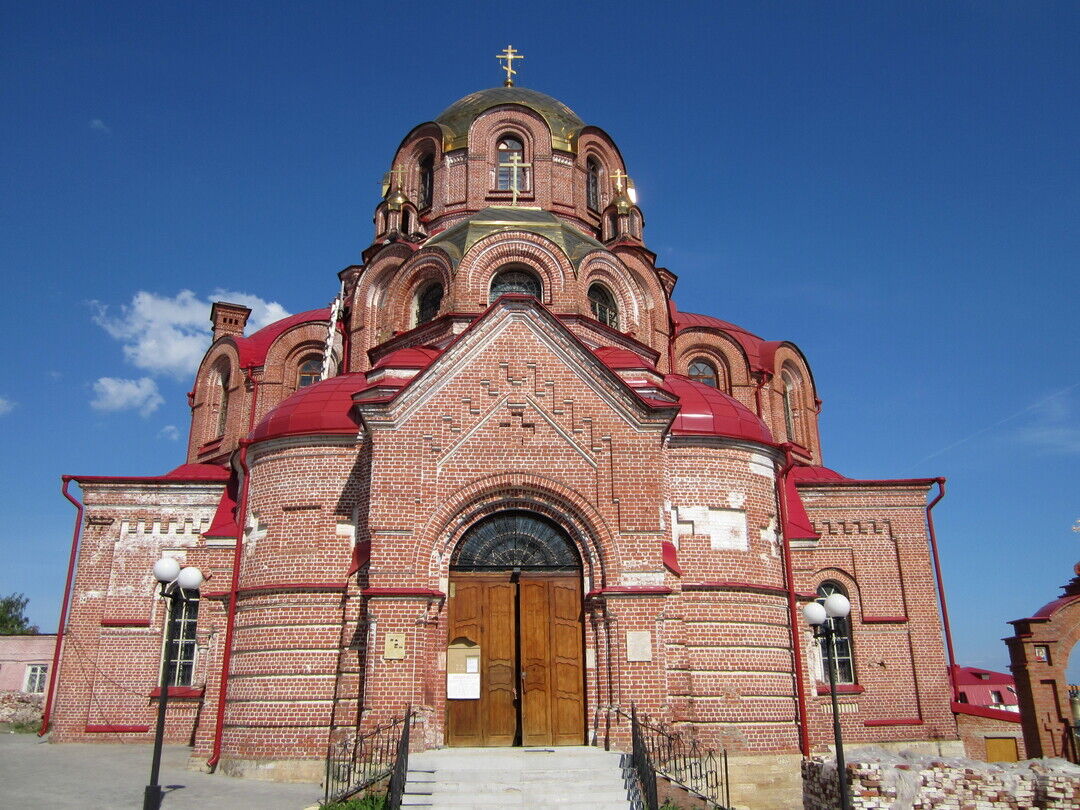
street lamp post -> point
(174, 582)
(817, 615)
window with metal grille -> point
(428, 302)
(508, 147)
(842, 658)
(515, 539)
(180, 656)
(703, 372)
(309, 371)
(592, 184)
(603, 306)
(427, 175)
(36, 678)
(223, 401)
(514, 280)
(790, 385)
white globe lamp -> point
(166, 569)
(190, 578)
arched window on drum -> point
(703, 371)
(517, 280)
(603, 306)
(428, 301)
(843, 658)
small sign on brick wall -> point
(394, 646)
(638, 645)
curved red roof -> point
(325, 407)
(707, 411)
(815, 475)
(622, 359)
(415, 357)
(253, 349)
(751, 343)
(198, 472)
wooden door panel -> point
(464, 718)
(498, 687)
(568, 693)
(535, 657)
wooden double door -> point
(529, 631)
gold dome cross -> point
(509, 54)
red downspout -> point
(67, 479)
(793, 610)
(230, 622)
(941, 586)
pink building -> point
(24, 663)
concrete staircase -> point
(567, 778)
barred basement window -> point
(842, 658)
(36, 678)
(603, 306)
(180, 657)
(309, 371)
(703, 372)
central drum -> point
(515, 596)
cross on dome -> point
(509, 54)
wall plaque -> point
(638, 645)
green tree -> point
(13, 621)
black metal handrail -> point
(358, 761)
(658, 748)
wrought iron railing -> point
(358, 761)
(659, 749)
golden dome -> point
(456, 119)
(396, 199)
(622, 202)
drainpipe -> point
(230, 621)
(793, 610)
(67, 479)
(941, 585)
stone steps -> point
(564, 778)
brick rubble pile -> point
(20, 707)
(883, 780)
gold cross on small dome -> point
(509, 54)
(618, 176)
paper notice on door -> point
(463, 687)
(472, 664)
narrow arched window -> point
(511, 151)
(603, 306)
(514, 280)
(179, 657)
(309, 371)
(842, 659)
(406, 222)
(703, 372)
(428, 302)
(427, 177)
(790, 389)
(592, 183)
(223, 401)
(613, 225)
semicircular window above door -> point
(515, 540)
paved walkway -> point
(78, 776)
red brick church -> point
(505, 480)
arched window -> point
(179, 658)
(406, 222)
(790, 389)
(514, 279)
(427, 176)
(592, 183)
(703, 371)
(508, 147)
(613, 224)
(603, 306)
(515, 540)
(842, 658)
(309, 371)
(223, 401)
(428, 302)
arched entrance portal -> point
(515, 616)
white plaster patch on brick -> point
(771, 537)
(726, 528)
(761, 464)
(632, 578)
(346, 528)
(736, 499)
(85, 596)
(639, 645)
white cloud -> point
(1053, 428)
(170, 432)
(169, 336)
(98, 125)
(6, 406)
(113, 394)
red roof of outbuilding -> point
(325, 407)
(707, 411)
(970, 676)
(414, 357)
(253, 349)
(198, 472)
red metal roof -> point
(815, 475)
(622, 359)
(707, 411)
(198, 472)
(325, 407)
(224, 522)
(414, 357)
(751, 343)
(969, 676)
(797, 525)
(253, 349)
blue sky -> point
(892, 186)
